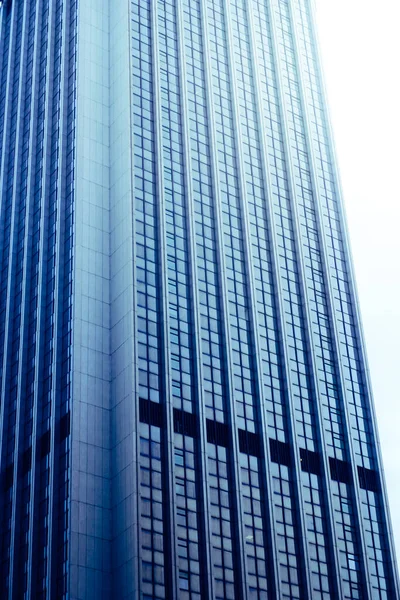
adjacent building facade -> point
(185, 405)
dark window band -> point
(280, 452)
(249, 443)
(310, 461)
(340, 470)
(217, 433)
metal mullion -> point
(203, 515)
(29, 197)
(12, 257)
(168, 443)
(270, 529)
(353, 293)
(278, 295)
(306, 313)
(38, 353)
(233, 452)
(365, 573)
(52, 533)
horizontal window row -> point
(250, 443)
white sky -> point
(360, 45)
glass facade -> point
(37, 115)
(185, 410)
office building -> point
(185, 404)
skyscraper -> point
(185, 405)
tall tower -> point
(185, 409)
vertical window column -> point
(62, 526)
(187, 517)
(221, 523)
(185, 393)
(29, 360)
(151, 514)
(59, 419)
(152, 467)
(50, 233)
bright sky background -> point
(360, 45)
